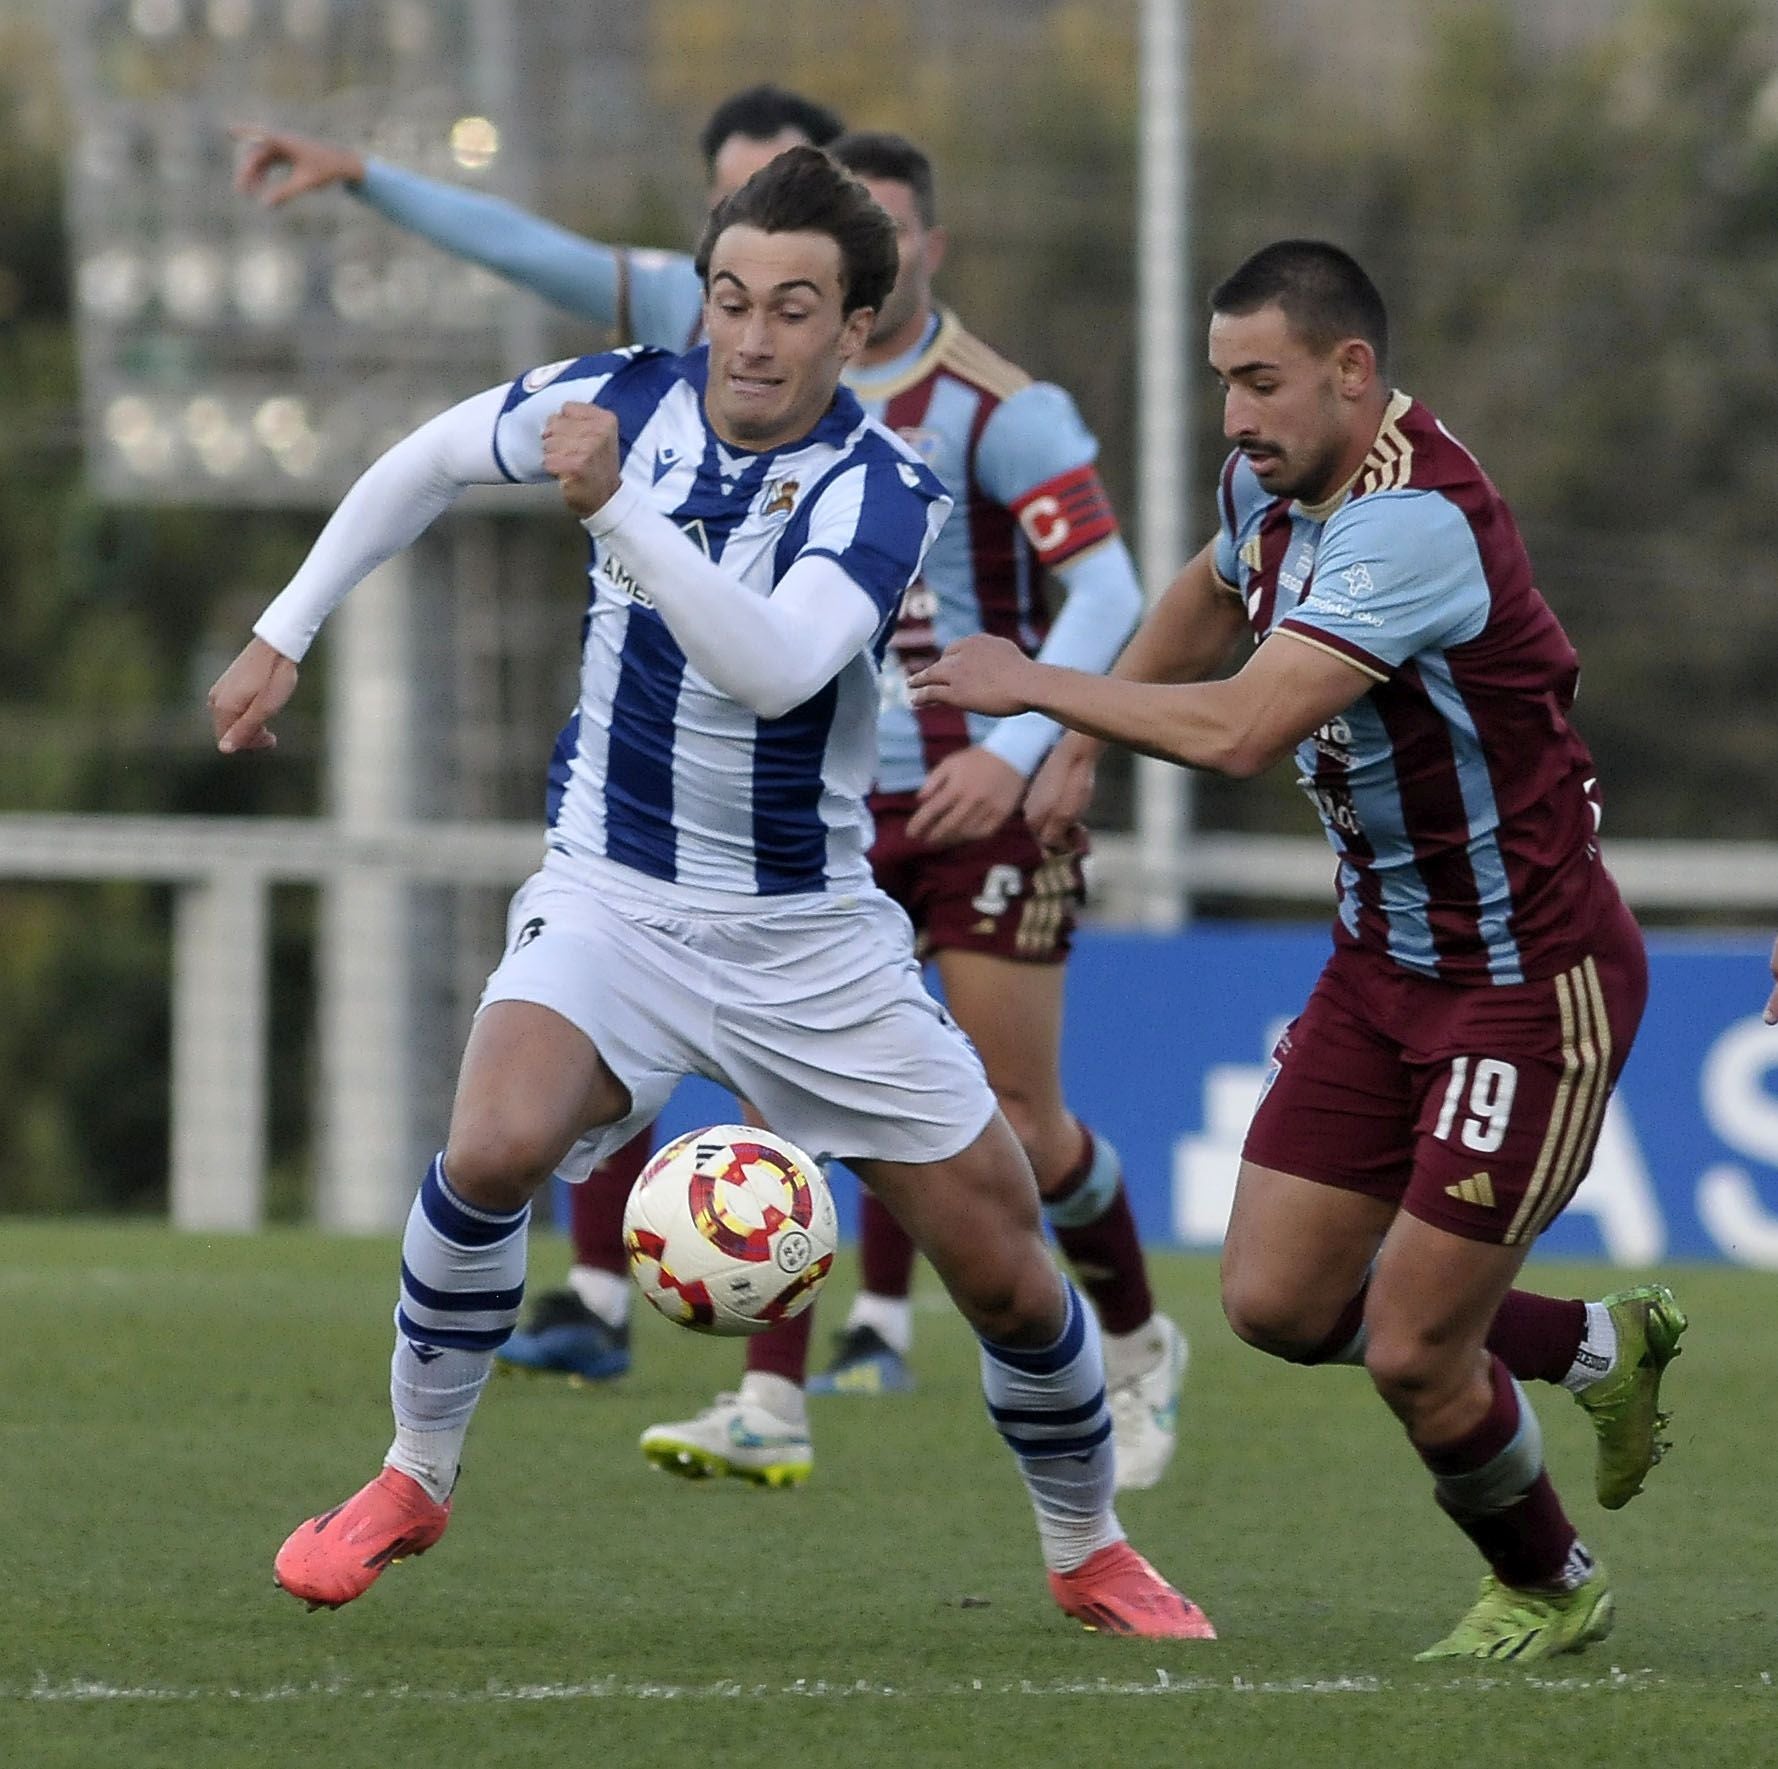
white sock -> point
(778, 1395)
(1597, 1356)
(1133, 1354)
(430, 1457)
(891, 1318)
(606, 1293)
(462, 1279)
(1066, 1459)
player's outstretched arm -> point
(1236, 727)
(581, 276)
(394, 501)
(1186, 636)
(973, 791)
(1772, 999)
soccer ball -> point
(730, 1230)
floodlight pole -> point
(378, 978)
(1165, 473)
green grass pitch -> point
(170, 1406)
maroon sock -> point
(1522, 1533)
(783, 1350)
(1536, 1337)
(596, 1206)
(1106, 1254)
(884, 1250)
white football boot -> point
(735, 1435)
(1144, 1372)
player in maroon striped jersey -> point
(1437, 1101)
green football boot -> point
(1625, 1405)
(1526, 1625)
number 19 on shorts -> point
(1478, 1105)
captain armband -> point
(1066, 515)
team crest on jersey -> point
(780, 498)
(541, 377)
(1250, 553)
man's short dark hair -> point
(875, 153)
(1323, 291)
(762, 113)
(803, 191)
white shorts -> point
(811, 1007)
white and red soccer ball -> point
(730, 1230)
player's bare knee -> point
(1411, 1372)
(1014, 1302)
(1267, 1319)
(497, 1166)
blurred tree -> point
(104, 650)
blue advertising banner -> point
(1168, 1037)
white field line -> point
(1162, 1683)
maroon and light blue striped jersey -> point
(1461, 803)
(1017, 460)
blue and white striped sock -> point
(1050, 1407)
(462, 1278)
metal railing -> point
(221, 870)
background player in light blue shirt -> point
(643, 295)
(662, 938)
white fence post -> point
(219, 1052)
(364, 1175)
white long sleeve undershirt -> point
(769, 653)
(391, 504)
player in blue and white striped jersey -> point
(665, 772)
(993, 910)
(704, 904)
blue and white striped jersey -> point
(658, 770)
(1013, 454)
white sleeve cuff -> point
(622, 503)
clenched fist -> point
(580, 453)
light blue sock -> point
(462, 1278)
(1050, 1407)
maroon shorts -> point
(1474, 1108)
(1003, 895)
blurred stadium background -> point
(1571, 204)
